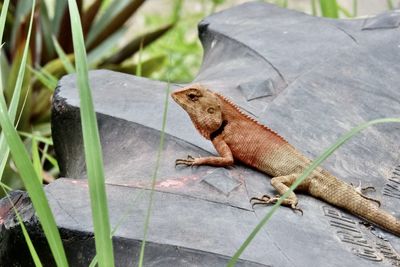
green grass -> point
(92, 147)
(13, 143)
(329, 8)
(154, 178)
(184, 60)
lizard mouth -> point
(176, 99)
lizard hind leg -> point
(281, 184)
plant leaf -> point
(329, 8)
(64, 34)
(46, 32)
(33, 186)
(89, 16)
(36, 159)
(117, 21)
(134, 45)
(105, 49)
(59, 11)
(63, 57)
(101, 22)
(92, 147)
(56, 67)
(48, 82)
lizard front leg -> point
(281, 184)
(225, 158)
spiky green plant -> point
(50, 55)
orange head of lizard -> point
(203, 107)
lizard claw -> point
(362, 190)
(295, 208)
(189, 161)
(265, 200)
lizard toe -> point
(295, 208)
(187, 162)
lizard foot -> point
(189, 161)
(362, 190)
(266, 200)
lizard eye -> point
(211, 110)
(193, 97)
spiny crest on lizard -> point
(229, 102)
(233, 105)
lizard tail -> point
(343, 195)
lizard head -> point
(203, 107)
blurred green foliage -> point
(183, 48)
(50, 56)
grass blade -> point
(4, 150)
(117, 21)
(355, 8)
(329, 8)
(139, 65)
(344, 11)
(314, 7)
(21, 72)
(22, 160)
(304, 175)
(121, 220)
(105, 49)
(36, 159)
(50, 82)
(45, 24)
(63, 57)
(90, 14)
(154, 178)
(91, 140)
(59, 8)
(3, 144)
(390, 4)
(32, 184)
(39, 138)
(100, 23)
(3, 17)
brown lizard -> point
(237, 136)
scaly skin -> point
(238, 137)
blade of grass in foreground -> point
(4, 150)
(390, 4)
(63, 57)
(304, 175)
(121, 220)
(32, 184)
(329, 8)
(50, 82)
(154, 178)
(21, 157)
(93, 153)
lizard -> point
(238, 137)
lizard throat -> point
(219, 130)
